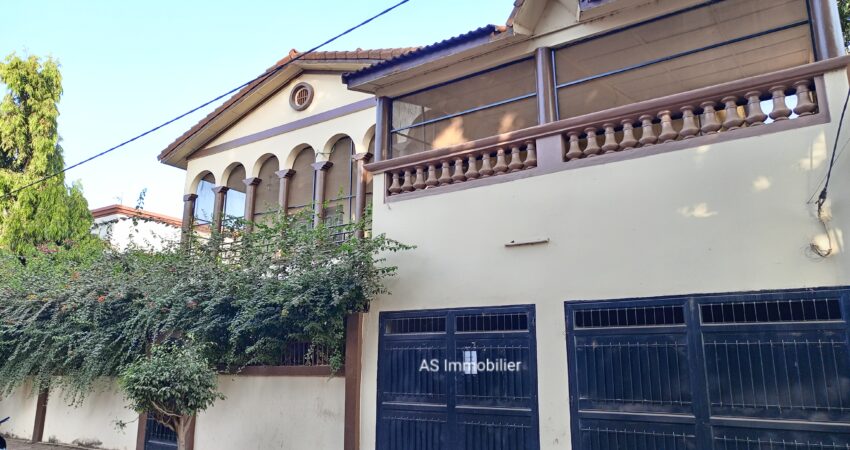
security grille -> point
(750, 371)
(457, 409)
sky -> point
(128, 66)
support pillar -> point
(285, 177)
(826, 28)
(218, 207)
(321, 169)
(188, 217)
(250, 200)
(363, 175)
(353, 361)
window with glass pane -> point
(206, 200)
(493, 102)
(268, 191)
(715, 44)
(234, 203)
(301, 191)
(339, 184)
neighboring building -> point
(617, 194)
(122, 225)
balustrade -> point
(686, 116)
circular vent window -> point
(301, 96)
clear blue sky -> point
(130, 65)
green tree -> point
(172, 384)
(49, 212)
(844, 14)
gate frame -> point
(451, 326)
(692, 326)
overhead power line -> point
(260, 78)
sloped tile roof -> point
(421, 51)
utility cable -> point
(260, 78)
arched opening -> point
(303, 181)
(205, 202)
(234, 204)
(371, 150)
(266, 202)
(340, 184)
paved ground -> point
(26, 445)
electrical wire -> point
(823, 193)
(260, 78)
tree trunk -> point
(182, 430)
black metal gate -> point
(750, 371)
(158, 436)
(448, 404)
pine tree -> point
(49, 212)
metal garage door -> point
(467, 409)
(762, 371)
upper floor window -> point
(205, 203)
(496, 101)
(266, 203)
(699, 47)
(340, 184)
(234, 200)
(303, 181)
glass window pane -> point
(468, 127)
(206, 200)
(490, 87)
(744, 59)
(681, 33)
(269, 187)
(301, 193)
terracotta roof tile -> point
(396, 58)
(330, 56)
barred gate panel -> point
(717, 372)
(458, 408)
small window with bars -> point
(485, 323)
(416, 325)
(767, 311)
(638, 316)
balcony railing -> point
(761, 104)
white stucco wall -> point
(20, 406)
(121, 231)
(263, 413)
(259, 413)
(95, 419)
(714, 218)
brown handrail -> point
(737, 87)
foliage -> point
(173, 384)
(86, 311)
(50, 212)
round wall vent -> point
(301, 96)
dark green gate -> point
(750, 371)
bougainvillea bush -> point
(73, 313)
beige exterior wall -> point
(715, 218)
(330, 93)
(94, 420)
(259, 413)
(20, 406)
(263, 413)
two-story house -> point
(613, 202)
